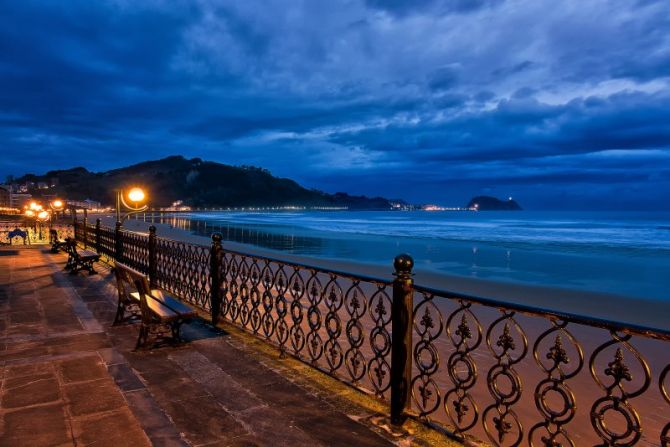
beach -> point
(639, 311)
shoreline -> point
(642, 312)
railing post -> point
(74, 230)
(215, 258)
(401, 338)
(74, 224)
(152, 256)
(118, 243)
(85, 229)
(97, 235)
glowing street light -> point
(136, 197)
(55, 205)
(34, 206)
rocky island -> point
(488, 203)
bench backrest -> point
(129, 280)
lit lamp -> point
(132, 201)
(56, 206)
(34, 206)
(42, 216)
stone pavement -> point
(69, 378)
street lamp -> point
(131, 201)
(36, 207)
(42, 217)
(56, 206)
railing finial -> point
(403, 264)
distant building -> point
(42, 185)
(4, 197)
(18, 200)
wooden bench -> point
(161, 315)
(56, 243)
(79, 259)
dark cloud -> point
(453, 97)
(406, 7)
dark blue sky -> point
(553, 103)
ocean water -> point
(626, 253)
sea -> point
(623, 253)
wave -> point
(570, 234)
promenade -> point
(70, 378)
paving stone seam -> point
(46, 358)
(237, 415)
(47, 335)
(303, 383)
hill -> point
(197, 183)
(488, 203)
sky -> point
(562, 105)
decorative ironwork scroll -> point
(613, 380)
(559, 368)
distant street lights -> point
(132, 201)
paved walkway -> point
(69, 378)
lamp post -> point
(34, 209)
(38, 215)
(56, 206)
(42, 217)
(132, 202)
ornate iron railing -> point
(336, 322)
(547, 378)
(550, 378)
(183, 269)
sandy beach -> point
(647, 313)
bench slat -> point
(161, 311)
(87, 254)
(172, 303)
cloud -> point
(456, 97)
